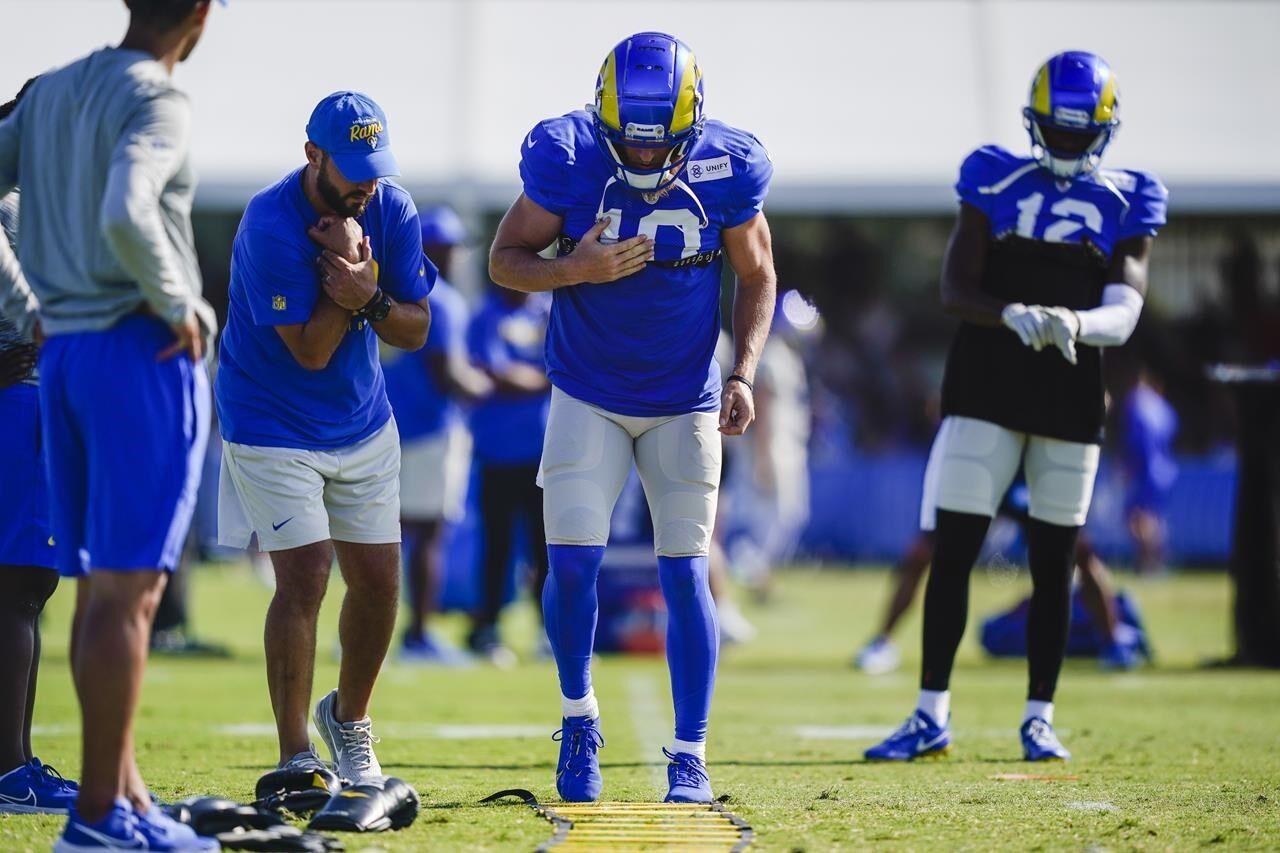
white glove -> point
(1063, 327)
(1028, 323)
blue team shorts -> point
(124, 437)
(24, 500)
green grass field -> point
(1166, 758)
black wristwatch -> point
(377, 308)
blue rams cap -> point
(353, 130)
(441, 227)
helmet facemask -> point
(1066, 151)
(653, 179)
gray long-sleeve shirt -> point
(99, 148)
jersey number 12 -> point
(1060, 229)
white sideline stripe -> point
(842, 732)
(408, 730)
(54, 730)
(646, 720)
(877, 732)
(1091, 806)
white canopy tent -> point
(865, 106)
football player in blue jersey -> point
(642, 197)
(1046, 267)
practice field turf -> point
(1166, 758)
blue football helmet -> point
(1073, 113)
(648, 95)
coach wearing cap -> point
(325, 262)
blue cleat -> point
(687, 777)
(918, 737)
(34, 788)
(117, 831)
(1039, 743)
(578, 778)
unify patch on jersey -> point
(710, 170)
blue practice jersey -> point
(264, 396)
(1051, 244)
(422, 408)
(1099, 210)
(643, 345)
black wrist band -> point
(373, 300)
(735, 377)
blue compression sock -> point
(569, 609)
(693, 642)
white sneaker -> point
(734, 627)
(877, 657)
(351, 744)
(308, 759)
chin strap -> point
(1112, 322)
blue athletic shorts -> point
(124, 437)
(24, 500)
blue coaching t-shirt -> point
(264, 396)
(422, 408)
(1100, 209)
(507, 429)
(643, 345)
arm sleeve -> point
(407, 275)
(543, 170)
(750, 191)
(280, 281)
(149, 153)
(1148, 208)
(1112, 322)
(18, 304)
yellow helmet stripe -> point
(1106, 109)
(609, 93)
(1040, 92)
(686, 101)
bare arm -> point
(453, 372)
(1129, 262)
(353, 285)
(407, 325)
(314, 342)
(962, 268)
(519, 379)
(749, 247)
(528, 228)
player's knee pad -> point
(679, 463)
(1060, 477)
(977, 461)
(585, 459)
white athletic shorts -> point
(587, 455)
(292, 498)
(972, 463)
(434, 471)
